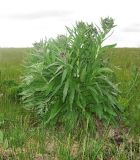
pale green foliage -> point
(67, 81)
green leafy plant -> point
(67, 81)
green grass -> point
(127, 71)
(10, 62)
(21, 137)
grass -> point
(10, 60)
(22, 138)
(127, 71)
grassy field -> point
(22, 138)
(127, 71)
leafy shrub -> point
(68, 82)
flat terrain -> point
(21, 138)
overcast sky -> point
(23, 22)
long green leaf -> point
(65, 91)
(71, 97)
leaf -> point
(104, 48)
(105, 70)
(83, 74)
(110, 111)
(99, 111)
(65, 91)
(80, 105)
(56, 90)
(69, 30)
(64, 76)
(94, 93)
(53, 113)
(111, 99)
(58, 69)
(51, 65)
(113, 86)
(71, 97)
(55, 76)
(98, 87)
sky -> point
(23, 22)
